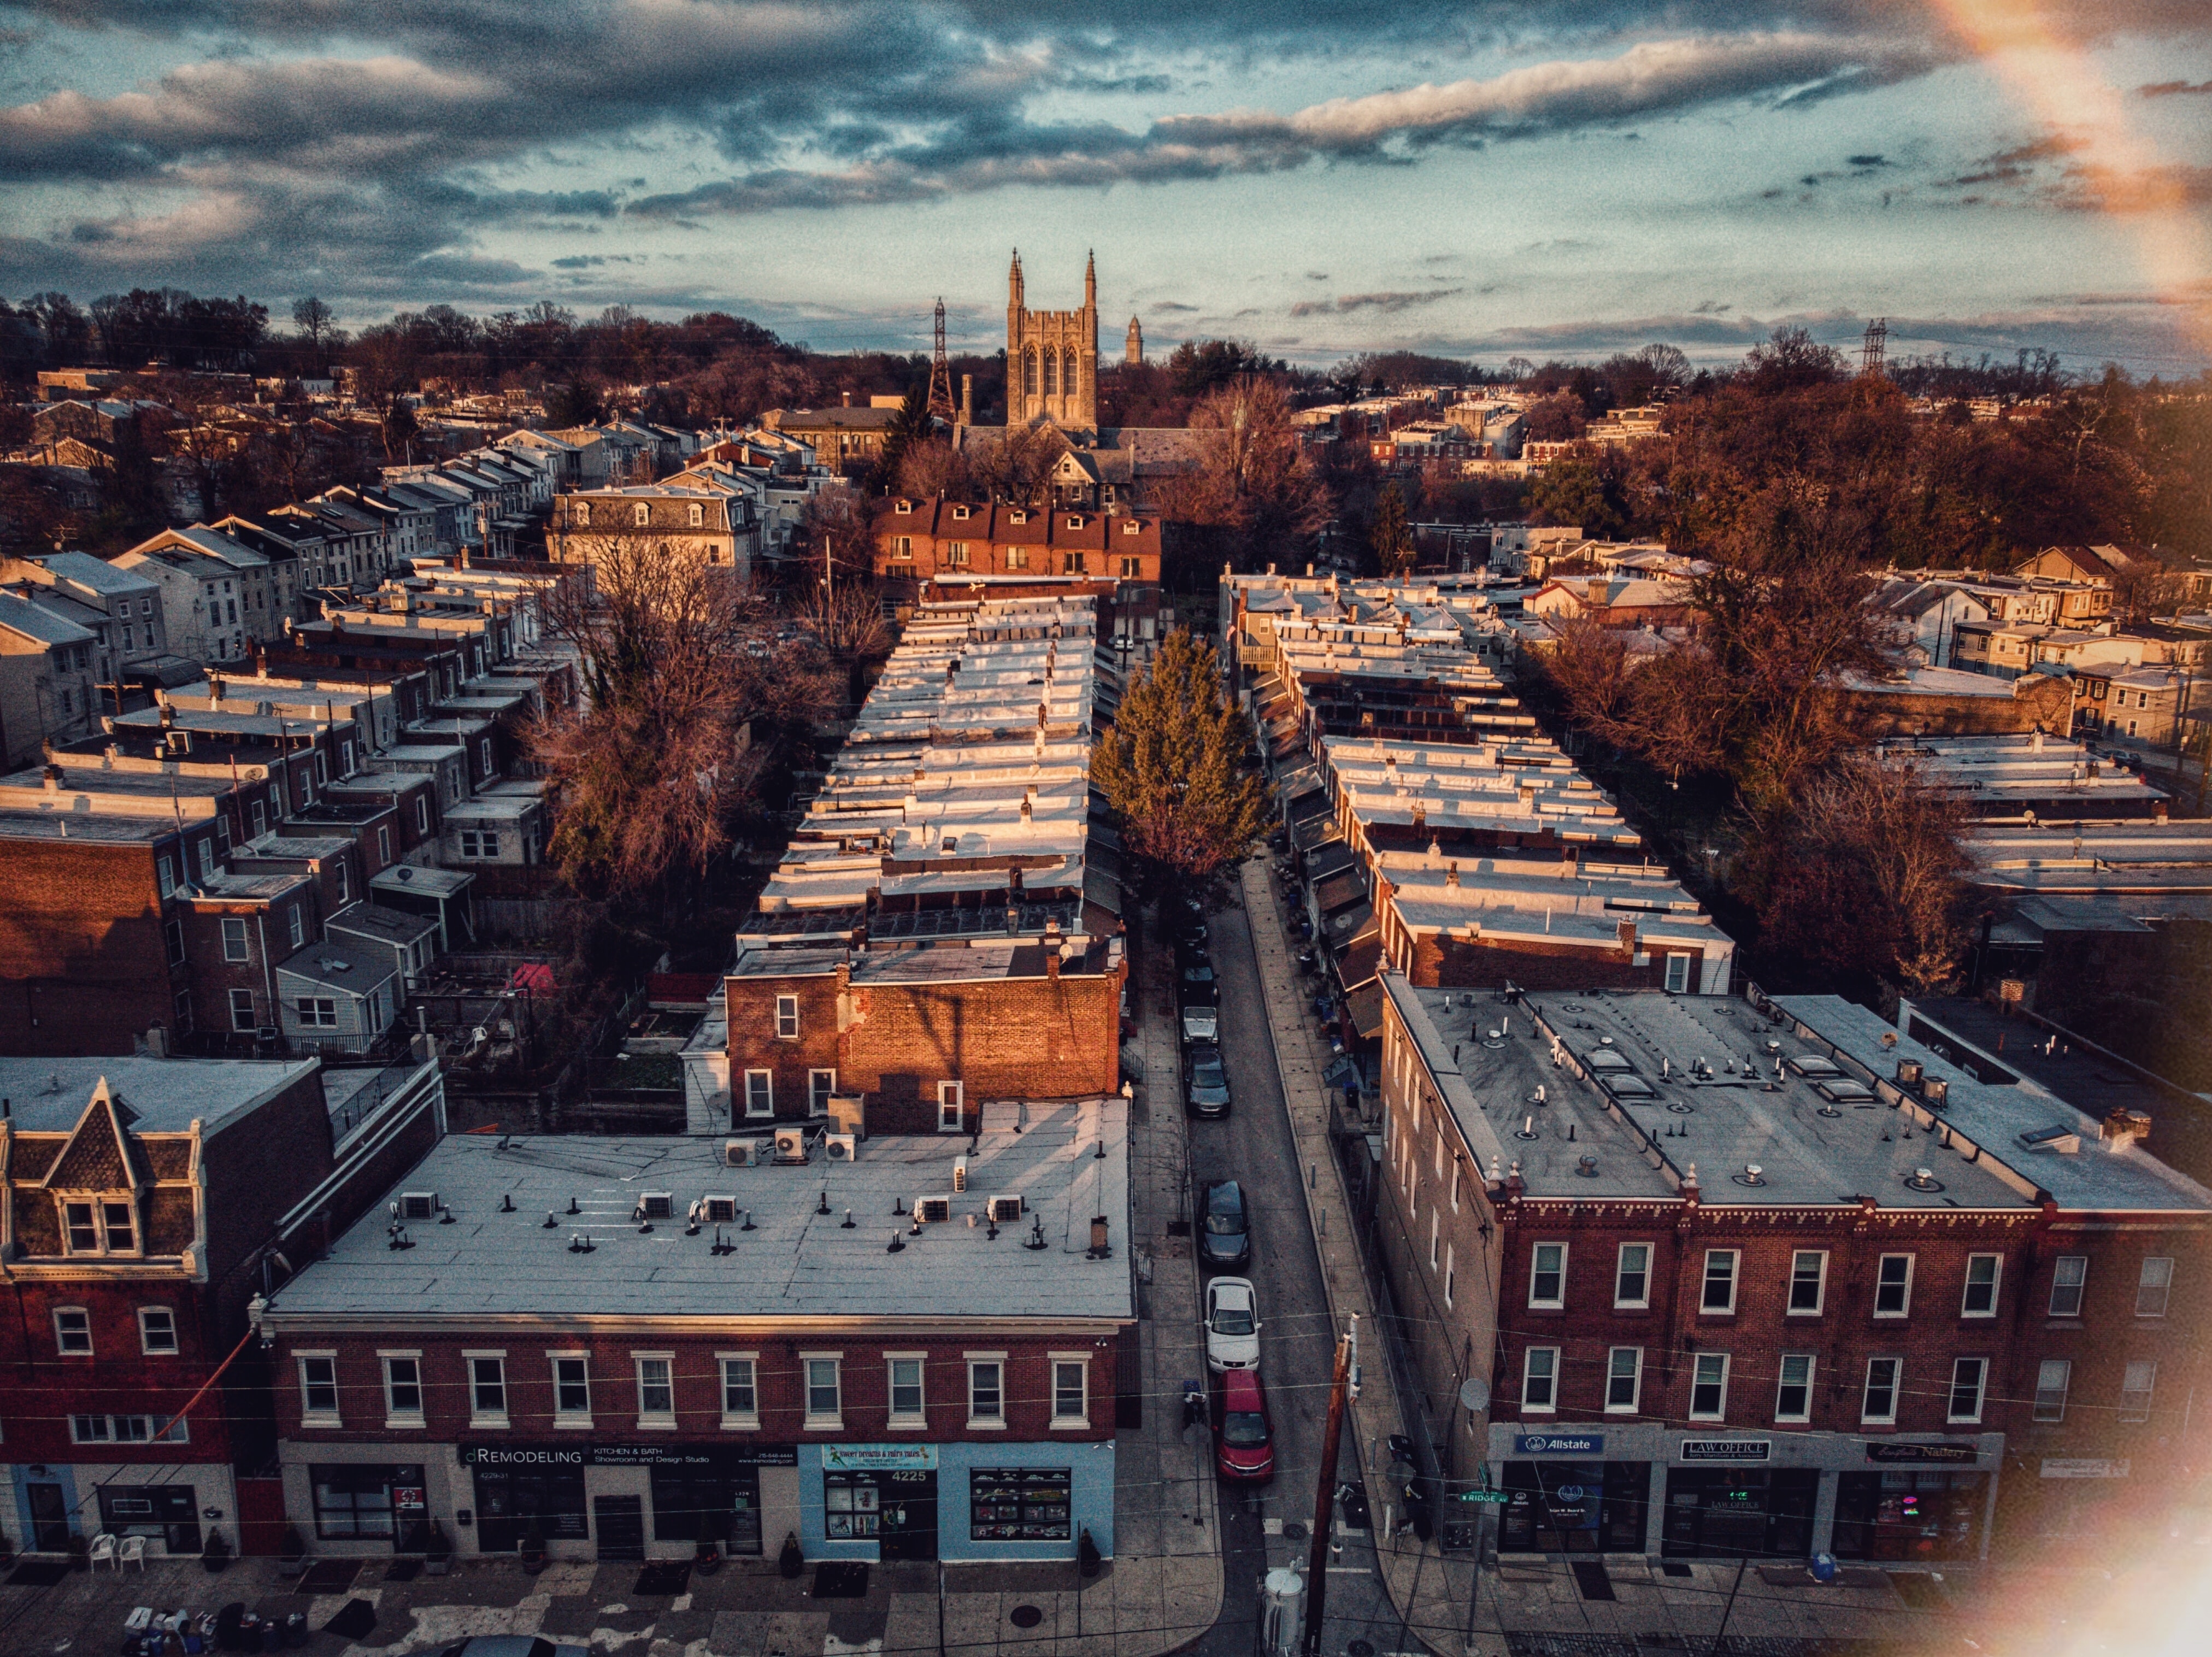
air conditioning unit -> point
(934, 1211)
(960, 1173)
(741, 1153)
(791, 1144)
(841, 1147)
(848, 1115)
(1004, 1210)
(418, 1205)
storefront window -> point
(692, 1504)
(1574, 1507)
(169, 1513)
(851, 1506)
(1020, 1504)
(366, 1501)
(1898, 1515)
(1725, 1513)
(510, 1503)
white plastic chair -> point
(133, 1553)
(103, 1548)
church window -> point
(1030, 373)
(1069, 377)
(1051, 375)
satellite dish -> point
(1474, 1393)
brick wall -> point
(84, 968)
(1483, 963)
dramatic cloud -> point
(1389, 303)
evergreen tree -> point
(1392, 541)
(1176, 769)
(909, 428)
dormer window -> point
(904, 508)
(107, 1225)
(962, 513)
(1075, 521)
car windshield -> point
(1245, 1428)
(1207, 1076)
(1231, 1320)
(1231, 1224)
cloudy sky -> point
(1321, 176)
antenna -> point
(940, 377)
(1874, 346)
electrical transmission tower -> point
(1872, 348)
(940, 377)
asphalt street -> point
(1270, 1525)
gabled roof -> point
(98, 1157)
(20, 615)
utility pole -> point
(1874, 346)
(1325, 1499)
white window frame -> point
(1061, 1420)
(1782, 1380)
(309, 1415)
(765, 1095)
(997, 1362)
(1903, 1309)
(1959, 1370)
(1642, 1302)
(894, 1416)
(151, 1317)
(244, 955)
(1705, 1307)
(1995, 1286)
(1613, 1377)
(2154, 1287)
(1557, 1300)
(479, 1416)
(1678, 974)
(82, 1331)
(738, 1420)
(1544, 1375)
(951, 1106)
(817, 1422)
(564, 1418)
(2143, 1369)
(1819, 1284)
(394, 1417)
(786, 1018)
(647, 1419)
(1698, 1367)
(818, 1091)
(2059, 1287)
(2051, 1400)
(1895, 1385)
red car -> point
(1243, 1440)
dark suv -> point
(1226, 1234)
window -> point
(786, 1018)
(1436, 1218)
(820, 1084)
(256, 814)
(1547, 1275)
(1131, 568)
(1709, 1387)
(402, 1389)
(127, 1429)
(583, 509)
(740, 1398)
(73, 1331)
(1879, 1402)
(487, 1388)
(207, 859)
(901, 547)
(1018, 557)
(951, 1106)
(234, 938)
(1981, 1296)
(79, 1228)
(317, 1012)
(640, 514)
(480, 845)
(108, 1227)
(1719, 1294)
(2153, 1287)
(1540, 1377)
(1893, 1286)
(987, 1392)
(572, 1389)
(1623, 1379)
(1020, 1504)
(2068, 1272)
(1967, 1376)
(1071, 1392)
(1071, 564)
(294, 925)
(759, 1093)
(906, 1389)
(2136, 1386)
(2052, 1377)
(656, 1390)
(1792, 1392)
(345, 884)
(1678, 974)
(956, 554)
(384, 844)
(697, 514)
(174, 933)
(421, 813)
(165, 875)
(319, 1389)
(825, 1408)
(1631, 1277)
(1808, 1282)
(157, 1330)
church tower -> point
(1133, 353)
(1051, 357)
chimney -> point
(2158, 811)
(1451, 875)
(845, 399)
(1625, 932)
(967, 399)
(2035, 742)
(2122, 1127)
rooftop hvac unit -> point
(1005, 1210)
(791, 1144)
(740, 1153)
(418, 1205)
(934, 1211)
(841, 1147)
(960, 1173)
(848, 1115)
(1936, 1091)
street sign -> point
(1499, 1497)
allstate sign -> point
(1558, 1444)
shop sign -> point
(1726, 1449)
(409, 1498)
(2084, 1467)
(1924, 1452)
(1558, 1444)
(853, 1458)
(525, 1457)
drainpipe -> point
(269, 973)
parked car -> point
(1206, 1091)
(1243, 1437)
(1232, 1325)
(1198, 988)
(1200, 1023)
(511, 1645)
(1225, 1235)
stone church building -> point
(1052, 356)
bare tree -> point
(932, 468)
(1252, 481)
(837, 532)
(1015, 468)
